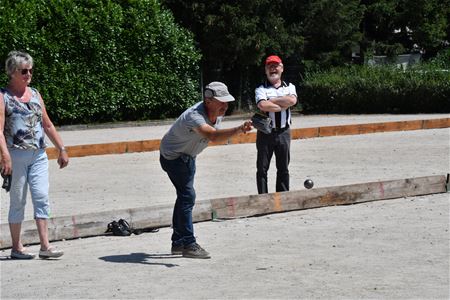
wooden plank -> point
(318, 197)
(297, 133)
(338, 130)
(304, 133)
(370, 128)
(436, 123)
(92, 224)
(390, 126)
(243, 138)
(143, 146)
(107, 148)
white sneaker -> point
(50, 253)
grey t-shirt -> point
(181, 137)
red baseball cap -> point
(273, 59)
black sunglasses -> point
(25, 71)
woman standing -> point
(23, 125)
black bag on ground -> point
(120, 228)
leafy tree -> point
(235, 36)
(330, 28)
(392, 27)
(103, 60)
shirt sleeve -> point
(292, 90)
(194, 119)
(260, 94)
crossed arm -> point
(278, 103)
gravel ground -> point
(109, 182)
(395, 249)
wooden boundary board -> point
(297, 133)
(94, 224)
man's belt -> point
(280, 129)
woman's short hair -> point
(15, 60)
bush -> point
(103, 60)
(379, 89)
(442, 60)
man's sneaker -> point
(195, 251)
(24, 254)
(50, 253)
(177, 250)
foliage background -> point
(310, 35)
(124, 60)
(380, 89)
(102, 60)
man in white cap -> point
(187, 137)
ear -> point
(209, 93)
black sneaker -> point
(195, 251)
(177, 250)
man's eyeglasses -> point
(25, 71)
(274, 65)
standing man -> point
(187, 137)
(274, 97)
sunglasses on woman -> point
(25, 71)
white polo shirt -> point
(267, 91)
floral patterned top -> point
(23, 122)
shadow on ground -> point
(140, 258)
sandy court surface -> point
(108, 182)
(393, 249)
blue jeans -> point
(30, 169)
(181, 172)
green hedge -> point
(103, 60)
(377, 89)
